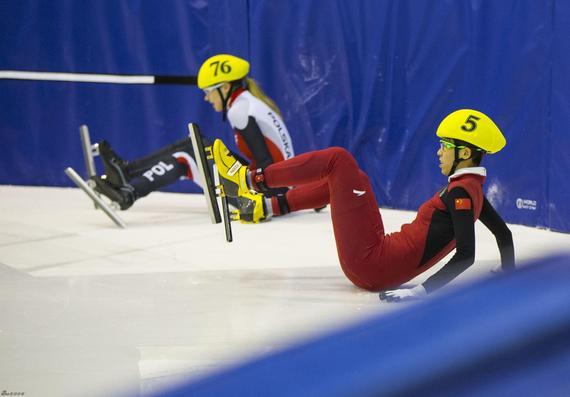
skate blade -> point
(99, 203)
(201, 156)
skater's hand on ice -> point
(400, 295)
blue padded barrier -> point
(373, 76)
(504, 336)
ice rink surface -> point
(88, 309)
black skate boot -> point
(123, 195)
(115, 167)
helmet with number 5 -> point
(222, 68)
(473, 127)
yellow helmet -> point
(222, 68)
(473, 127)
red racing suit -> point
(374, 260)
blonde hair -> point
(256, 91)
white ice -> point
(88, 309)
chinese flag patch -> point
(462, 204)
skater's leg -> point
(139, 166)
(147, 174)
(182, 151)
(358, 227)
(119, 172)
(309, 196)
(162, 173)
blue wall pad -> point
(375, 77)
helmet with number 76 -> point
(473, 127)
(221, 68)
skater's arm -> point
(460, 207)
(255, 141)
(493, 221)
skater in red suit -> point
(259, 130)
(369, 257)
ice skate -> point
(232, 172)
(212, 192)
(233, 177)
(202, 154)
(115, 167)
(88, 185)
(124, 196)
(98, 201)
(251, 208)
